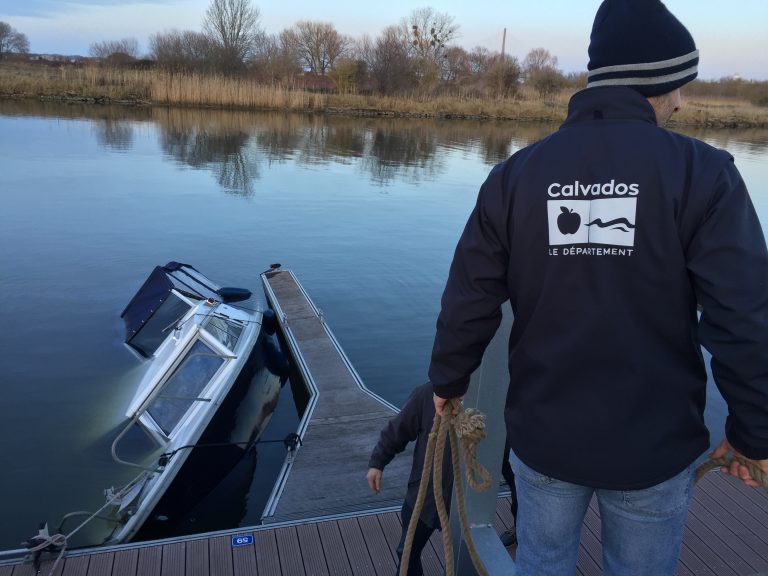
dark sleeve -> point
(728, 262)
(398, 432)
(470, 307)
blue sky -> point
(730, 35)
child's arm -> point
(395, 436)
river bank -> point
(96, 85)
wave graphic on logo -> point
(616, 224)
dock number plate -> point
(242, 540)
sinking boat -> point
(198, 346)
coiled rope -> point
(465, 431)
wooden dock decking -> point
(327, 476)
(726, 535)
(327, 523)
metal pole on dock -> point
(487, 392)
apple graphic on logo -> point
(569, 221)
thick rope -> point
(715, 463)
(465, 431)
(41, 543)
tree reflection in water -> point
(235, 146)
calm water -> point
(366, 213)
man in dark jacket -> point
(604, 237)
(413, 424)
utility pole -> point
(503, 43)
(502, 73)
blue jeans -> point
(642, 530)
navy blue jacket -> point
(604, 236)
(413, 424)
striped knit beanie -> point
(640, 44)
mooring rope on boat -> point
(291, 441)
(40, 542)
(465, 431)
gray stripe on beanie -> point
(644, 81)
(645, 65)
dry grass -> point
(521, 107)
(226, 92)
(720, 112)
(96, 84)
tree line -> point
(417, 56)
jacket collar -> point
(609, 103)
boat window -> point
(224, 330)
(156, 329)
(185, 385)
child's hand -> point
(374, 479)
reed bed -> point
(720, 112)
(158, 87)
(227, 92)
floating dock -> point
(326, 476)
(726, 535)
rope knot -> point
(470, 425)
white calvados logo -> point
(606, 221)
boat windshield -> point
(225, 330)
(156, 328)
(184, 386)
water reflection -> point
(236, 145)
(114, 134)
(751, 142)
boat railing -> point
(133, 421)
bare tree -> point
(539, 59)
(429, 33)
(479, 60)
(389, 63)
(109, 48)
(274, 60)
(541, 72)
(317, 44)
(233, 25)
(185, 50)
(348, 74)
(503, 76)
(456, 66)
(11, 40)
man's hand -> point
(736, 469)
(374, 479)
(441, 402)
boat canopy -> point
(155, 308)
